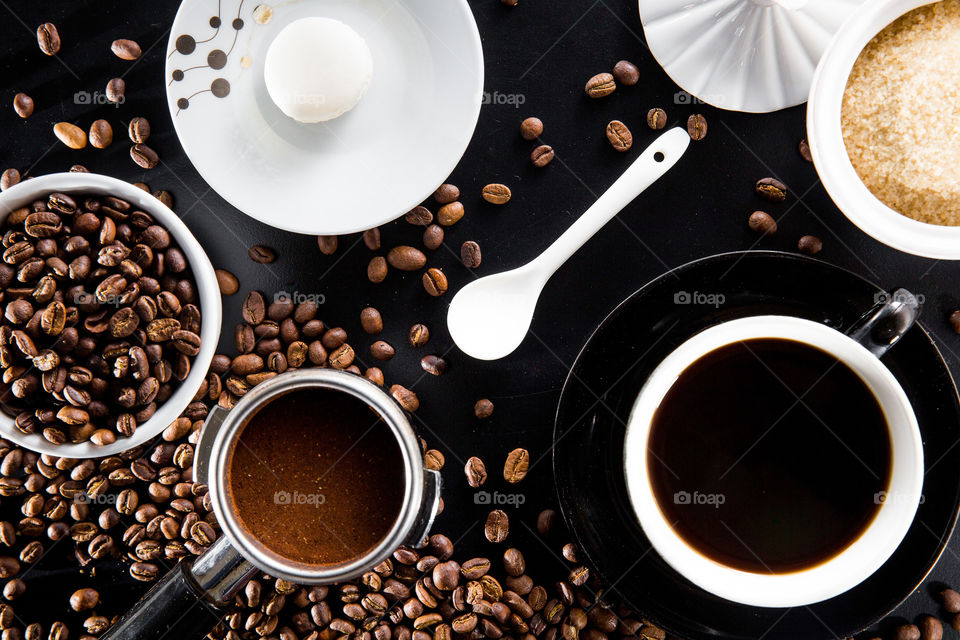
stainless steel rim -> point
(392, 415)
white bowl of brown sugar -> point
(883, 124)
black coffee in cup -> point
(769, 455)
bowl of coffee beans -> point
(110, 315)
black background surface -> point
(542, 52)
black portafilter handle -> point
(190, 600)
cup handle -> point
(428, 508)
(887, 322)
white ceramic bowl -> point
(363, 169)
(207, 291)
(825, 136)
(866, 554)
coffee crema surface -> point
(769, 456)
(317, 477)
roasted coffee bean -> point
(476, 472)
(542, 155)
(483, 408)
(371, 238)
(116, 90)
(84, 599)
(450, 214)
(435, 282)
(405, 398)
(23, 105)
(771, 189)
(433, 237)
(418, 335)
(101, 134)
(254, 308)
(138, 130)
(144, 156)
(9, 178)
(619, 136)
(126, 49)
(377, 269)
(48, 38)
(804, 149)
(600, 85)
(930, 628)
(470, 254)
(497, 526)
(406, 258)
(70, 135)
(419, 216)
(371, 321)
(811, 245)
(434, 365)
(327, 245)
(907, 632)
(261, 254)
(446, 193)
(763, 223)
(342, 357)
(513, 562)
(227, 282)
(381, 350)
(496, 193)
(656, 119)
(626, 73)
(950, 600)
(516, 466)
(697, 127)
(531, 128)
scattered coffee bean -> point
(371, 238)
(433, 237)
(930, 628)
(771, 189)
(419, 335)
(405, 398)
(483, 408)
(84, 599)
(804, 149)
(450, 214)
(406, 258)
(377, 269)
(470, 254)
(509, 3)
(496, 193)
(516, 466)
(949, 598)
(23, 105)
(955, 323)
(144, 156)
(371, 321)
(542, 155)
(697, 127)
(126, 49)
(435, 282)
(434, 365)
(261, 254)
(545, 521)
(600, 85)
(227, 282)
(810, 245)
(382, 350)
(70, 135)
(9, 178)
(446, 193)
(476, 472)
(907, 632)
(101, 134)
(139, 130)
(619, 136)
(497, 526)
(419, 216)
(656, 119)
(116, 90)
(762, 223)
(531, 128)
(626, 73)
(48, 38)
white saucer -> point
(363, 169)
(742, 55)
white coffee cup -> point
(847, 569)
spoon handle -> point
(655, 161)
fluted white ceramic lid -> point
(742, 55)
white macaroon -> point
(317, 69)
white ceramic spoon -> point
(489, 317)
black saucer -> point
(598, 395)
